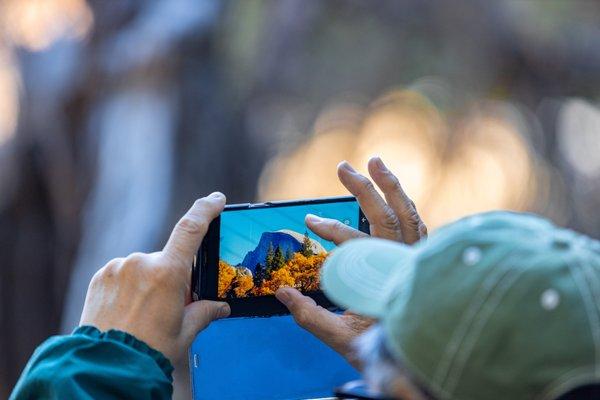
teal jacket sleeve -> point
(89, 364)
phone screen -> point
(264, 249)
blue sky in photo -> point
(241, 229)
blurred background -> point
(116, 114)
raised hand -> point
(393, 218)
(148, 295)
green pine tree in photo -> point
(306, 246)
(260, 274)
(270, 257)
(278, 258)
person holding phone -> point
(139, 318)
(419, 336)
(137, 321)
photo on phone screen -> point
(251, 250)
(264, 249)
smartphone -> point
(251, 250)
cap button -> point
(550, 299)
(561, 243)
(562, 239)
(471, 255)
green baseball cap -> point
(497, 305)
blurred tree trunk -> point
(39, 224)
(141, 125)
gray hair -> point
(382, 370)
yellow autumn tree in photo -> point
(300, 270)
(234, 281)
(226, 275)
(243, 282)
(305, 271)
(279, 278)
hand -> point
(335, 330)
(149, 295)
(394, 218)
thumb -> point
(293, 299)
(315, 319)
(329, 327)
(198, 315)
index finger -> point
(191, 228)
(331, 229)
(384, 222)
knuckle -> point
(114, 262)
(98, 276)
(390, 220)
(423, 230)
(192, 225)
(135, 259)
(109, 270)
(409, 214)
(410, 209)
(399, 192)
(337, 226)
(394, 184)
(132, 263)
(303, 317)
(366, 185)
(413, 224)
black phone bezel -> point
(205, 271)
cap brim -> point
(360, 274)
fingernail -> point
(217, 195)
(380, 164)
(224, 311)
(313, 219)
(282, 295)
(346, 165)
